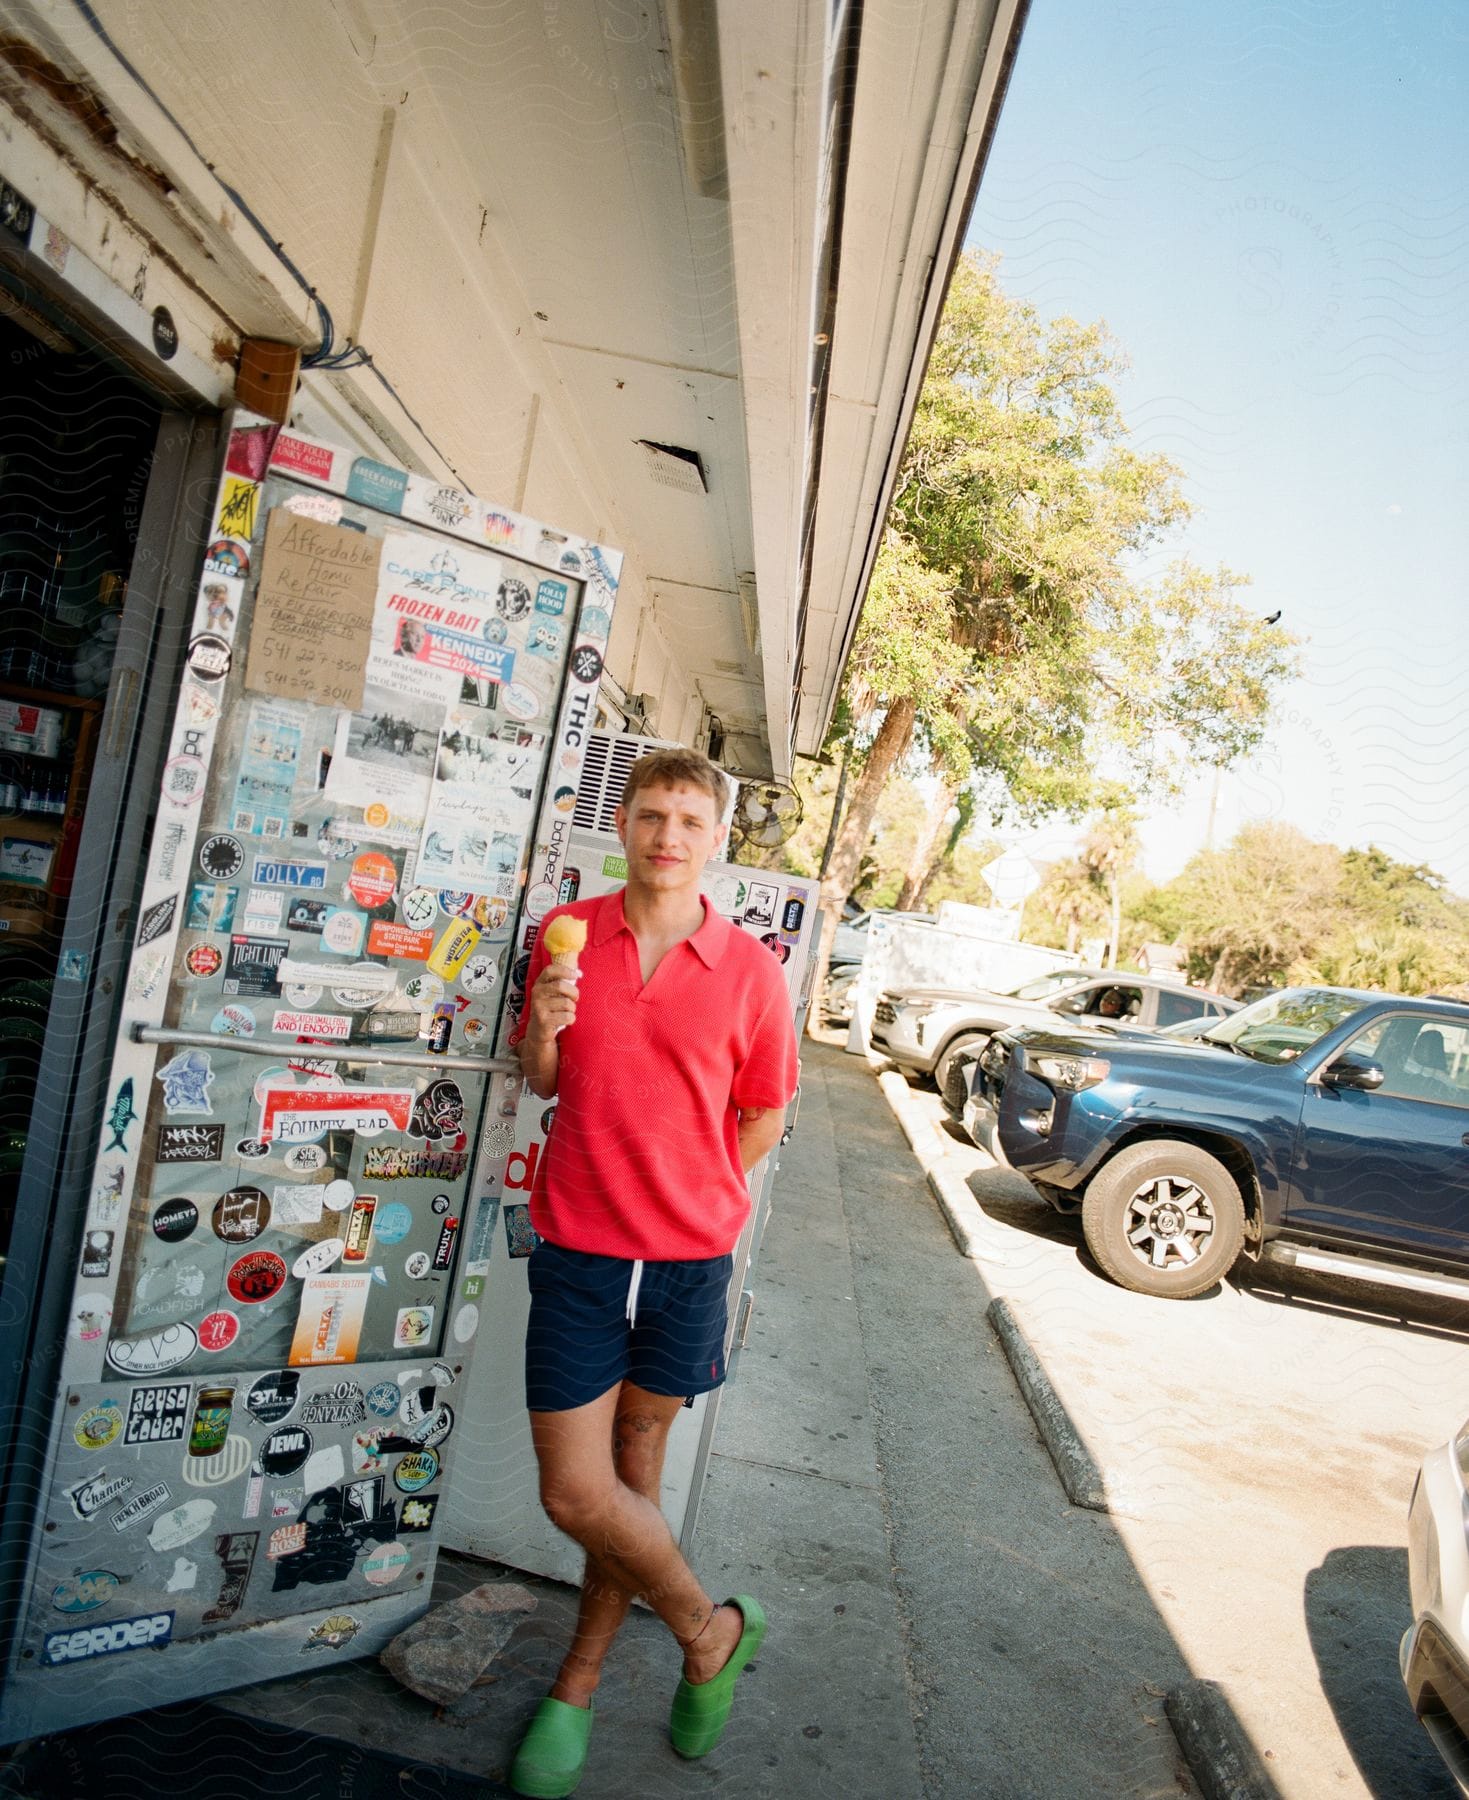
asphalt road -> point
(1260, 1444)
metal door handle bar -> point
(358, 1053)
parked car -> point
(923, 1029)
(1324, 1127)
(838, 997)
(1434, 1653)
(850, 943)
(955, 1091)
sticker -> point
(211, 907)
(236, 1553)
(186, 1080)
(218, 1330)
(157, 920)
(303, 457)
(307, 915)
(172, 1530)
(312, 1025)
(376, 484)
(420, 907)
(415, 1470)
(394, 1222)
(342, 931)
(383, 1399)
(163, 1350)
(453, 949)
(793, 913)
(233, 1021)
(337, 1196)
(520, 1234)
(213, 1409)
(273, 1397)
(424, 990)
(90, 1496)
(413, 1327)
(551, 598)
(411, 1162)
(438, 1111)
(98, 1426)
(418, 1515)
(121, 1116)
(146, 1631)
(444, 1249)
(316, 506)
(286, 1540)
(85, 1593)
(324, 1469)
(539, 901)
(189, 1144)
(240, 1216)
(96, 1255)
(285, 1502)
(183, 781)
(417, 1264)
(175, 1220)
(209, 657)
(586, 663)
(521, 702)
(264, 909)
(252, 1149)
(359, 1228)
(329, 1322)
(260, 1275)
(183, 1578)
(318, 1259)
(387, 939)
(440, 1375)
(216, 1470)
(301, 1115)
(343, 1404)
(204, 960)
(434, 1427)
(372, 880)
(285, 1450)
(479, 973)
(386, 1564)
(254, 964)
(466, 1323)
(305, 1158)
(333, 1633)
(142, 1506)
(158, 1415)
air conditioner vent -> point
(672, 466)
(604, 775)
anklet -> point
(688, 1643)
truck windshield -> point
(1279, 1027)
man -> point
(672, 1054)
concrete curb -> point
(1080, 1476)
(1223, 1761)
(963, 1214)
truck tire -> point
(1164, 1218)
(943, 1067)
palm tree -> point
(1109, 852)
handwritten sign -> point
(313, 611)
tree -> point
(1070, 898)
(1251, 912)
(1006, 629)
(1108, 853)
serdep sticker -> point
(146, 1631)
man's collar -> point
(709, 940)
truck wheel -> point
(944, 1067)
(1164, 1218)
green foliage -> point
(1005, 600)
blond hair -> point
(676, 767)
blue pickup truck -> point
(1322, 1127)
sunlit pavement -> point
(1259, 1447)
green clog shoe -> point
(700, 1713)
(553, 1752)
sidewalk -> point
(943, 1623)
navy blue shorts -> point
(580, 1341)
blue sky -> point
(1266, 203)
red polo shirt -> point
(643, 1158)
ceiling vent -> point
(674, 467)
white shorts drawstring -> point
(634, 1283)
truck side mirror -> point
(1353, 1070)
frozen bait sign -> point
(302, 1115)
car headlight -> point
(1461, 1453)
(1072, 1072)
